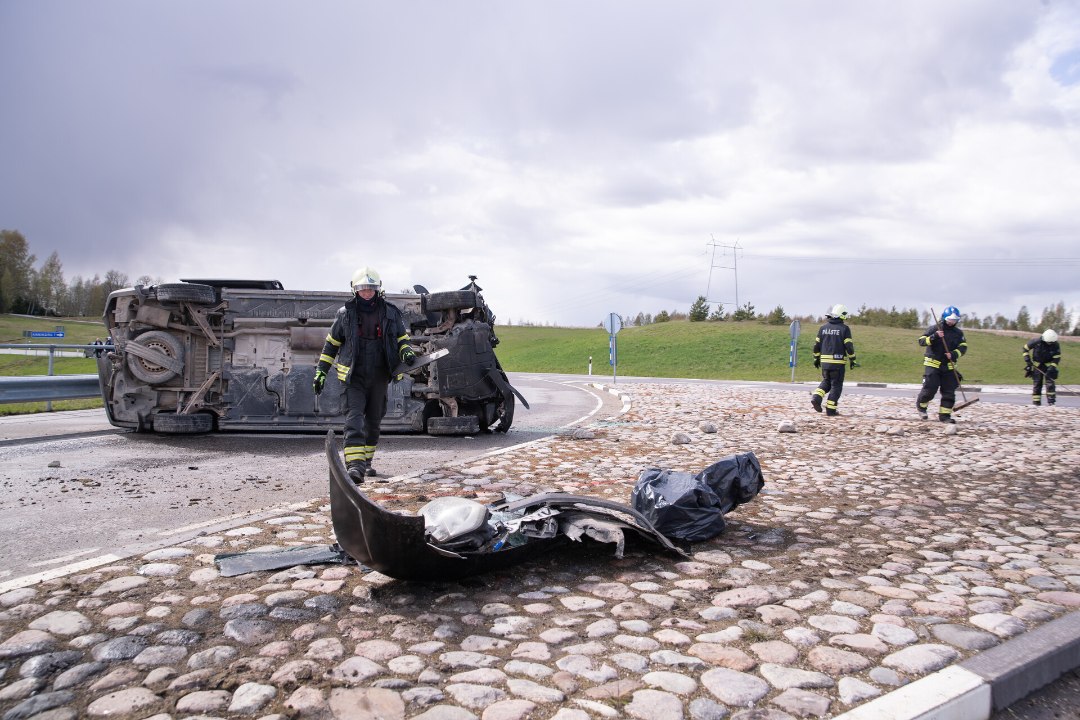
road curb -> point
(987, 682)
(626, 399)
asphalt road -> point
(72, 487)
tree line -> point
(42, 290)
(1056, 317)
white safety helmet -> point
(366, 277)
(838, 311)
(1049, 336)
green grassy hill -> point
(754, 351)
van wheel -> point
(459, 299)
(148, 371)
(461, 425)
(171, 423)
(185, 292)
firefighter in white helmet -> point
(367, 340)
(1041, 358)
(833, 351)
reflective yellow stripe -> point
(330, 339)
(326, 359)
(931, 362)
(342, 371)
(359, 452)
(830, 361)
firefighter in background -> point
(944, 343)
(364, 343)
(1041, 358)
(833, 350)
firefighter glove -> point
(817, 362)
(319, 381)
(1052, 372)
(408, 356)
(854, 364)
(959, 377)
(1029, 371)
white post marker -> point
(793, 354)
(613, 324)
(590, 365)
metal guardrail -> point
(46, 388)
(58, 349)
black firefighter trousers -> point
(365, 404)
(1037, 386)
(832, 384)
(939, 378)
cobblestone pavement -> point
(882, 549)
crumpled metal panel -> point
(395, 544)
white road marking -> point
(34, 579)
(62, 558)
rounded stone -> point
(121, 648)
(921, 659)
(963, 637)
(732, 687)
(123, 702)
(62, 622)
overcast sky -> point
(579, 157)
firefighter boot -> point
(815, 400)
(357, 469)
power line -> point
(982, 262)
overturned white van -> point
(204, 355)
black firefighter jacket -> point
(935, 352)
(340, 346)
(1038, 352)
(833, 343)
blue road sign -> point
(44, 334)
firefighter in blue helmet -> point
(1041, 358)
(944, 343)
(366, 341)
(833, 350)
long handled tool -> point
(956, 373)
(1066, 388)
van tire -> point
(461, 425)
(186, 292)
(454, 299)
(174, 424)
(147, 371)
